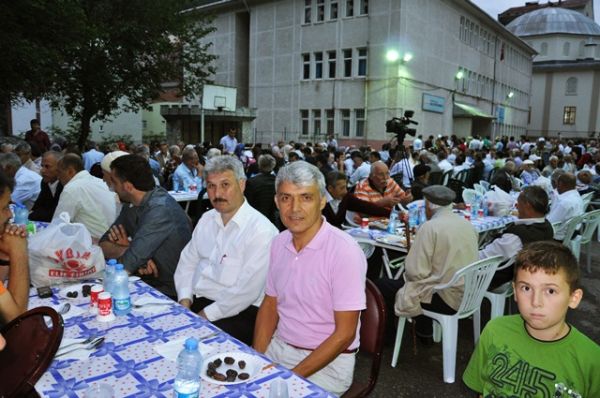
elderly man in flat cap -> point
(443, 245)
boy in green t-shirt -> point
(537, 353)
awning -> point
(468, 110)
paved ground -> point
(420, 375)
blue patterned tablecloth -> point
(128, 362)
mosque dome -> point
(552, 20)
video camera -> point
(399, 126)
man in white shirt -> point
(229, 141)
(23, 151)
(222, 271)
(85, 198)
(27, 183)
(443, 163)
(418, 143)
(92, 156)
(475, 144)
(566, 205)
(361, 168)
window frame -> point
(304, 122)
(306, 66)
(347, 62)
(307, 16)
(331, 64)
(346, 125)
(569, 115)
(318, 65)
(359, 122)
(362, 60)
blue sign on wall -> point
(500, 114)
(433, 103)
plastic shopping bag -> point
(63, 252)
(499, 202)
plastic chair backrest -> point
(462, 175)
(477, 278)
(435, 177)
(590, 223)
(446, 177)
(570, 227)
(30, 348)
(586, 199)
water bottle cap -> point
(112, 261)
(20, 205)
(119, 267)
(191, 344)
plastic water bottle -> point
(189, 362)
(21, 214)
(109, 275)
(413, 215)
(120, 293)
(391, 229)
(422, 215)
(175, 184)
(474, 209)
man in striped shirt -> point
(380, 189)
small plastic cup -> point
(100, 390)
(278, 389)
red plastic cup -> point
(468, 216)
(104, 304)
(480, 213)
(364, 223)
(94, 292)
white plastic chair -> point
(497, 297)
(570, 226)
(587, 199)
(517, 183)
(393, 268)
(477, 278)
(591, 221)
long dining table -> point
(129, 359)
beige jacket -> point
(443, 245)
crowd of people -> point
(262, 253)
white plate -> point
(392, 240)
(76, 287)
(252, 367)
(134, 278)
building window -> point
(466, 31)
(347, 62)
(333, 9)
(330, 116)
(471, 32)
(304, 119)
(331, 61)
(307, 11)
(320, 10)
(363, 7)
(544, 48)
(581, 49)
(461, 35)
(306, 66)
(569, 115)
(317, 121)
(359, 116)
(362, 62)
(571, 86)
(566, 48)
(319, 65)
(349, 8)
(346, 122)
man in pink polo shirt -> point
(309, 318)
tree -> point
(123, 49)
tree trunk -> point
(5, 118)
(84, 131)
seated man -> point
(221, 272)
(151, 230)
(421, 173)
(189, 172)
(50, 188)
(550, 357)
(380, 189)
(529, 173)
(86, 198)
(566, 205)
(13, 252)
(361, 168)
(309, 319)
(503, 177)
(260, 189)
(443, 245)
(531, 226)
(339, 201)
(23, 151)
(27, 183)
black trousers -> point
(424, 325)
(240, 326)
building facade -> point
(312, 67)
(566, 71)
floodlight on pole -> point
(459, 75)
(392, 55)
(407, 57)
(510, 94)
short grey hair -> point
(213, 152)
(22, 148)
(188, 153)
(10, 159)
(553, 157)
(220, 164)
(55, 154)
(266, 163)
(301, 173)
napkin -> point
(148, 308)
(80, 355)
(172, 349)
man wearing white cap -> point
(530, 172)
(105, 165)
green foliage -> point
(86, 55)
(126, 139)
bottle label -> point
(184, 395)
(122, 304)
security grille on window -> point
(304, 120)
(320, 10)
(306, 66)
(349, 8)
(331, 56)
(333, 10)
(307, 11)
(359, 116)
(569, 115)
(347, 62)
(346, 122)
(362, 62)
(319, 65)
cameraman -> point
(404, 164)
